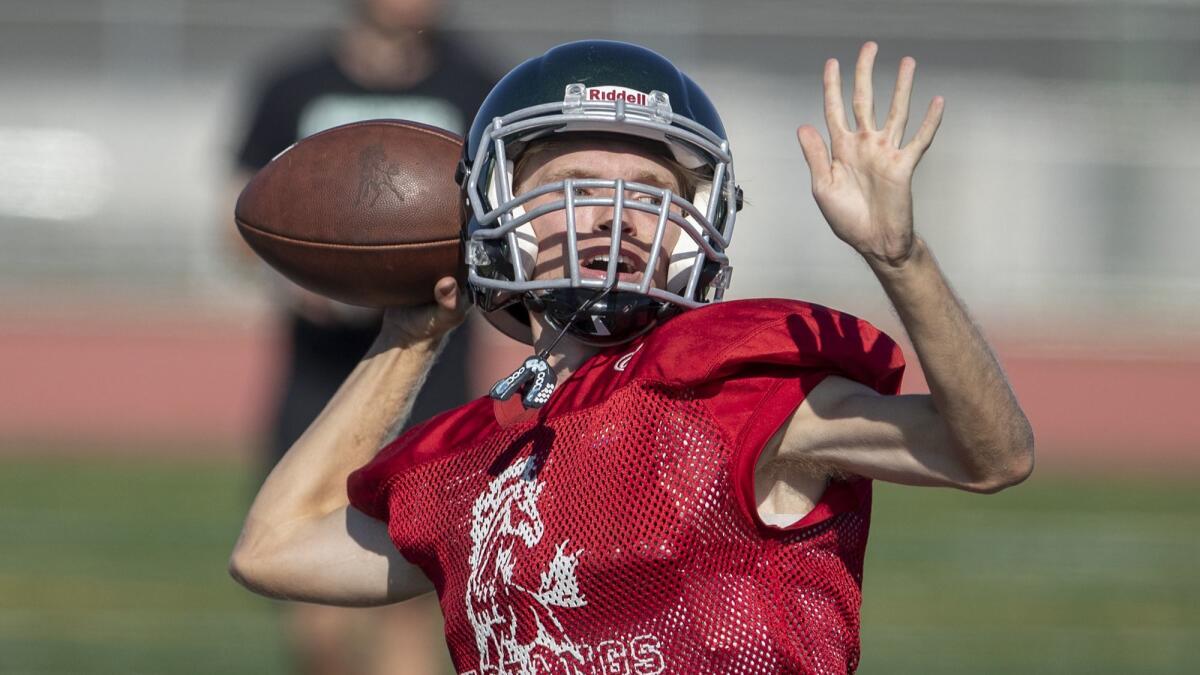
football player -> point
(668, 483)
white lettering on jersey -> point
(647, 655)
(623, 362)
(641, 655)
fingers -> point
(897, 117)
(835, 113)
(929, 126)
(813, 145)
(814, 153)
(864, 99)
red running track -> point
(164, 384)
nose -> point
(605, 226)
(604, 219)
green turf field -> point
(119, 567)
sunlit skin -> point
(606, 160)
(864, 188)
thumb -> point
(815, 154)
(446, 294)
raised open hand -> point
(865, 191)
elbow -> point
(249, 572)
(1014, 469)
(1001, 479)
(239, 568)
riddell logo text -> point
(617, 94)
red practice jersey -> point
(615, 530)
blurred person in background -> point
(388, 62)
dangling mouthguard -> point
(535, 374)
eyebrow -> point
(657, 179)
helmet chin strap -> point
(535, 375)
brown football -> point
(366, 213)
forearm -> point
(376, 398)
(990, 433)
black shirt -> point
(312, 94)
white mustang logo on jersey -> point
(516, 629)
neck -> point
(565, 357)
(384, 59)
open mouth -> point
(594, 258)
(600, 264)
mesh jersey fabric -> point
(614, 530)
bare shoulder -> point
(832, 391)
(825, 416)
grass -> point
(1059, 575)
(118, 566)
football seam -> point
(325, 244)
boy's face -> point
(606, 160)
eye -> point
(644, 198)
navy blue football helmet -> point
(601, 88)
